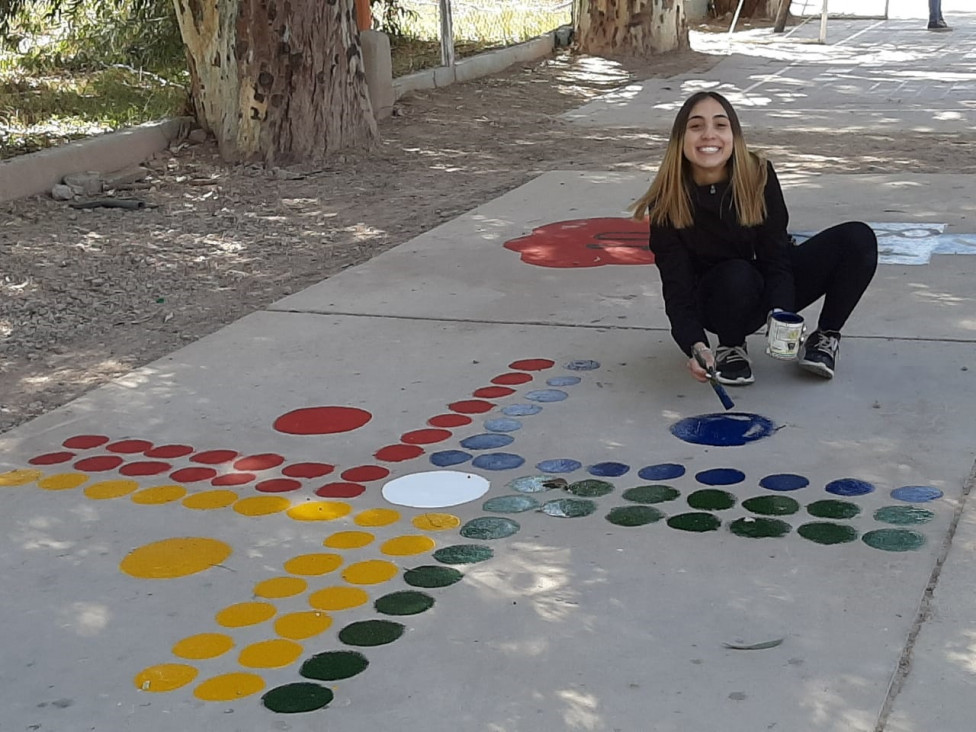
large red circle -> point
(322, 420)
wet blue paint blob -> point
(916, 493)
(521, 410)
(498, 461)
(547, 395)
(532, 483)
(784, 482)
(720, 476)
(559, 465)
(723, 430)
(487, 441)
(583, 365)
(563, 381)
(849, 487)
(502, 424)
(608, 470)
(446, 458)
(663, 471)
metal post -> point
(447, 34)
(735, 17)
(823, 23)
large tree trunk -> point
(277, 81)
(635, 27)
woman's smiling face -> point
(708, 142)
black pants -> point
(837, 264)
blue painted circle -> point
(498, 461)
(521, 410)
(563, 381)
(583, 365)
(916, 493)
(849, 487)
(723, 430)
(608, 470)
(447, 458)
(784, 482)
(559, 465)
(546, 395)
(662, 471)
(502, 424)
(720, 476)
(486, 441)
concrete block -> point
(379, 71)
(444, 76)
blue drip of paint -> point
(784, 482)
(563, 381)
(663, 471)
(521, 410)
(559, 465)
(608, 470)
(498, 461)
(720, 476)
(487, 441)
(732, 429)
(502, 424)
(849, 487)
(446, 458)
(547, 395)
(916, 493)
(583, 365)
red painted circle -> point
(322, 420)
(307, 470)
(398, 453)
(365, 473)
(259, 462)
(532, 364)
(278, 485)
(233, 479)
(85, 442)
(424, 437)
(192, 475)
(585, 243)
(52, 458)
(146, 467)
(512, 378)
(169, 451)
(99, 463)
(340, 490)
(214, 457)
(449, 420)
(129, 447)
(472, 406)
(493, 392)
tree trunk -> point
(279, 83)
(782, 15)
(750, 8)
(635, 27)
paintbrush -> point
(723, 395)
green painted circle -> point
(832, 509)
(431, 576)
(298, 697)
(759, 528)
(463, 554)
(590, 488)
(711, 499)
(903, 515)
(405, 602)
(489, 527)
(568, 507)
(371, 633)
(771, 505)
(534, 483)
(694, 522)
(510, 504)
(827, 532)
(634, 515)
(651, 494)
(894, 540)
(334, 665)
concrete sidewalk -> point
(467, 486)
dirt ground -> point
(87, 295)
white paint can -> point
(783, 335)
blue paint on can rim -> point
(583, 365)
(487, 441)
(608, 470)
(916, 493)
(521, 410)
(559, 465)
(731, 429)
(849, 487)
(720, 476)
(546, 395)
(498, 461)
(661, 471)
(784, 482)
(446, 458)
(502, 424)
(563, 381)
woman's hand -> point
(701, 354)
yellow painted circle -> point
(261, 505)
(165, 677)
(319, 511)
(313, 564)
(377, 517)
(111, 489)
(204, 645)
(348, 540)
(299, 626)
(280, 587)
(209, 500)
(245, 613)
(403, 546)
(228, 687)
(436, 521)
(370, 572)
(177, 557)
(159, 494)
(19, 477)
(270, 654)
(62, 481)
(338, 598)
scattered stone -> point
(89, 183)
(61, 192)
(126, 176)
(197, 136)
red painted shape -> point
(169, 451)
(99, 463)
(307, 470)
(278, 485)
(145, 467)
(215, 457)
(233, 479)
(493, 392)
(192, 475)
(52, 458)
(259, 462)
(512, 378)
(471, 406)
(532, 364)
(85, 442)
(130, 447)
(586, 243)
(322, 420)
(424, 437)
(449, 420)
(398, 453)
(340, 490)
(365, 473)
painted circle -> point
(487, 441)
(723, 430)
(583, 364)
(348, 540)
(771, 505)
(371, 633)
(264, 461)
(314, 565)
(338, 598)
(532, 364)
(464, 554)
(307, 470)
(404, 602)
(903, 515)
(297, 697)
(559, 465)
(109, 489)
(61, 481)
(489, 527)
(608, 470)
(406, 546)
(129, 447)
(244, 614)
(365, 473)
(262, 505)
(432, 576)
(449, 420)
(334, 665)
(563, 381)
(278, 485)
(471, 406)
(493, 392)
(398, 453)
(169, 451)
(303, 624)
(435, 522)
(568, 507)
(634, 515)
(521, 410)
(192, 475)
(274, 653)
(849, 487)
(502, 424)
(662, 471)
(711, 499)
(894, 540)
(916, 493)
(322, 420)
(512, 379)
(370, 572)
(144, 467)
(99, 463)
(203, 645)
(784, 482)
(229, 687)
(85, 442)
(447, 458)
(759, 528)
(165, 677)
(340, 490)
(377, 517)
(210, 500)
(158, 495)
(720, 476)
(435, 489)
(319, 511)
(19, 477)
(590, 488)
(278, 587)
(51, 458)
(232, 479)
(177, 557)
(498, 461)
(517, 503)
(547, 396)
(695, 522)
(832, 509)
(425, 436)
(827, 532)
(651, 494)
(214, 457)
(534, 483)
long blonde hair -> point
(668, 200)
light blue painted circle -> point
(784, 482)
(546, 395)
(732, 429)
(563, 381)
(531, 483)
(521, 410)
(498, 461)
(662, 471)
(720, 476)
(916, 493)
(486, 441)
(502, 424)
(510, 504)
(559, 465)
(849, 487)
(446, 458)
(608, 470)
(583, 365)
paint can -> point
(783, 334)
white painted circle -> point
(435, 489)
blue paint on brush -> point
(916, 493)
(502, 424)
(498, 461)
(662, 471)
(546, 395)
(720, 476)
(446, 458)
(563, 381)
(521, 410)
(608, 470)
(559, 465)
(849, 487)
(731, 429)
(487, 441)
(784, 482)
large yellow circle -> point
(228, 687)
(319, 511)
(348, 540)
(209, 500)
(436, 521)
(261, 505)
(301, 625)
(370, 572)
(245, 613)
(165, 677)
(377, 517)
(19, 477)
(338, 598)
(280, 587)
(62, 481)
(159, 494)
(204, 645)
(404, 546)
(313, 564)
(171, 558)
(270, 654)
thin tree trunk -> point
(782, 14)
(637, 27)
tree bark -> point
(278, 82)
(634, 27)
(750, 8)
(782, 15)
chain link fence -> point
(488, 22)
